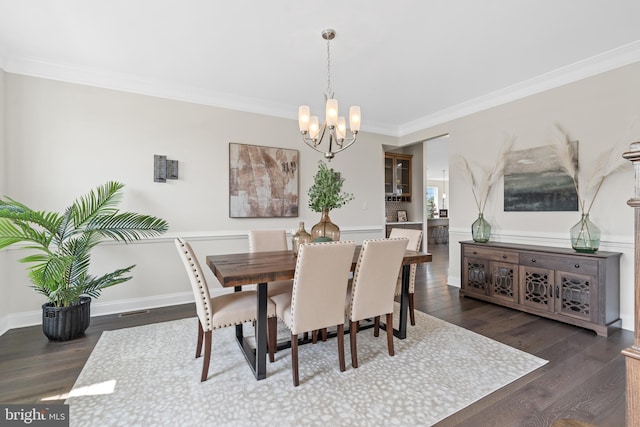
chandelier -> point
(313, 134)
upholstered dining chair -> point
(267, 241)
(317, 299)
(220, 311)
(415, 238)
(373, 288)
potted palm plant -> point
(59, 267)
(326, 194)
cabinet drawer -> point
(558, 262)
(491, 254)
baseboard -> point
(31, 318)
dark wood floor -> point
(584, 379)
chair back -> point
(414, 236)
(198, 284)
(267, 240)
(375, 277)
(320, 285)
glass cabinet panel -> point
(397, 176)
(388, 175)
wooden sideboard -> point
(557, 283)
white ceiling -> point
(408, 64)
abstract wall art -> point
(535, 181)
(263, 181)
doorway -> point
(436, 197)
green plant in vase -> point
(62, 243)
(324, 195)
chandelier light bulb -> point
(332, 112)
(354, 119)
(303, 118)
(314, 128)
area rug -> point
(148, 376)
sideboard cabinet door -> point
(504, 281)
(576, 294)
(476, 276)
(537, 288)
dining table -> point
(260, 268)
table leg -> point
(257, 357)
(261, 333)
(401, 332)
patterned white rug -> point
(148, 376)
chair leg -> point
(314, 337)
(390, 333)
(294, 359)
(207, 356)
(324, 334)
(200, 335)
(376, 326)
(353, 331)
(272, 337)
(341, 347)
(412, 315)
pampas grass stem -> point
(481, 187)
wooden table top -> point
(259, 267)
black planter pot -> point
(66, 323)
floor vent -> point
(134, 313)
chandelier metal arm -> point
(342, 144)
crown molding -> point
(161, 89)
(615, 58)
(606, 61)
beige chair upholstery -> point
(373, 288)
(221, 311)
(267, 241)
(415, 238)
(317, 300)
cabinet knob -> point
(475, 253)
(504, 257)
(577, 266)
(533, 260)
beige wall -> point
(599, 111)
(63, 139)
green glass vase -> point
(481, 230)
(585, 236)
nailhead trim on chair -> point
(203, 293)
(298, 261)
(413, 268)
(354, 282)
(207, 307)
